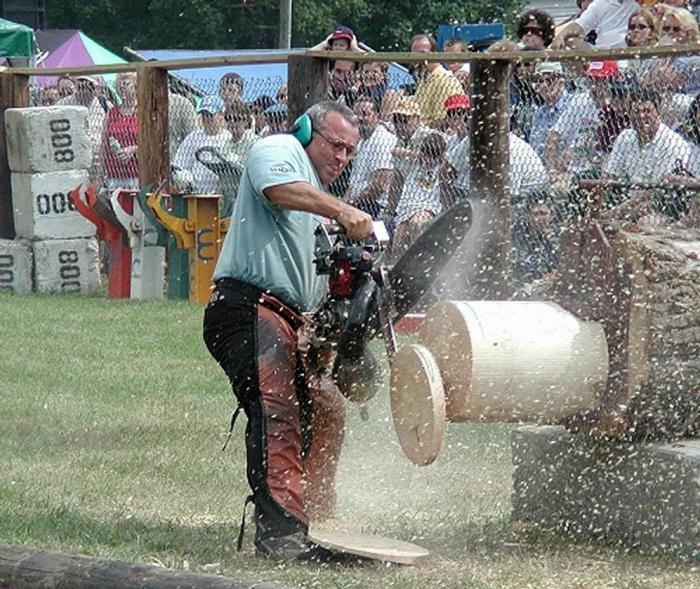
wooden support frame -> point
(14, 93)
(153, 148)
(308, 83)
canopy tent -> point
(261, 78)
(16, 40)
(71, 48)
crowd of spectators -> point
(621, 133)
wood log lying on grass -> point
(29, 568)
(644, 288)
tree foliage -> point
(237, 24)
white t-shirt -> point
(527, 172)
(609, 19)
(650, 163)
(373, 154)
(421, 192)
(205, 180)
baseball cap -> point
(406, 107)
(457, 101)
(342, 33)
(603, 69)
(549, 67)
(211, 104)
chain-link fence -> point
(604, 137)
(210, 127)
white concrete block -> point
(16, 266)
(66, 265)
(47, 139)
(43, 208)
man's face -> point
(237, 123)
(549, 87)
(367, 116)
(644, 116)
(85, 89)
(455, 66)
(371, 75)
(540, 216)
(341, 44)
(211, 122)
(600, 92)
(405, 125)
(229, 91)
(457, 120)
(422, 45)
(332, 147)
(343, 75)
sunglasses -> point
(457, 112)
(401, 119)
(234, 119)
(532, 31)
(637, 27)
(669, 29)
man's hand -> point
(357, 224)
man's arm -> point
(302, 196)
(572, 29)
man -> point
(372, 169)
(342, 85)
(212, 134)
(265, 278)
(435, 84)
(608, 18)
(646, 152)
(231, 88)
(549, 83)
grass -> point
(113, 415)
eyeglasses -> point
(634, 27)
(457, 112)
(338, 145)
(543, 80)
(669, 29)
(401, 119)
(234, 119)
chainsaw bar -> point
(421, 264)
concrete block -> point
(645, 495)
(43, 208)
(47, 139)
(16, 266)
(66, 265)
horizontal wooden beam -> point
(517, 56)
(400, 57)
(30, 568)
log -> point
(644, 288)
(29, 568)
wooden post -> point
(14, 93)
(307, 79)
(152, 103)
(27, 568)
(489, 163)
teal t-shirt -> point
(266, 246)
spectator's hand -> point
(558, 44)
(354, 46)
(357, 224)
(126, 153)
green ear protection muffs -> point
(303, 129)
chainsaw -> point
(368, 295)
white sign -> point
(15, 266)
(67, 265)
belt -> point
(254, 294)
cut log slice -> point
(369, 546)
(417, 403)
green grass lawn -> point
(113, 417)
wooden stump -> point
(644, 287)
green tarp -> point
(16, 40)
